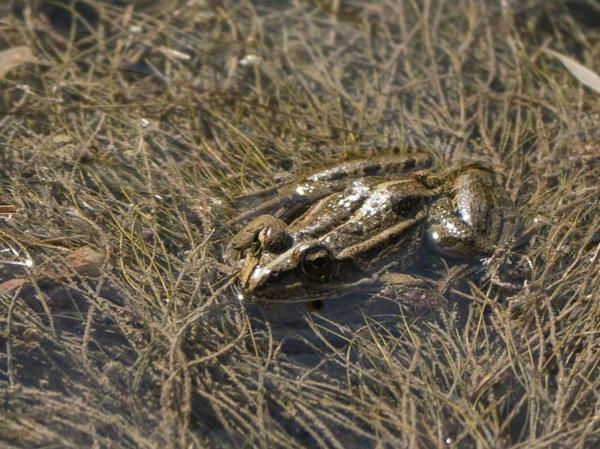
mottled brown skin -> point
(285, 201)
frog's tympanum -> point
(360, 225)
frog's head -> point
(294, 271)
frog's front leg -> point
(411, 289)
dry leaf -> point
(585, 76)
(7, 209)
(13, 284)
(14, 57)
(84, 261)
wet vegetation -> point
(129, 128)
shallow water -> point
(145, 122)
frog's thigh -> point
(448, 234)
(411, 289)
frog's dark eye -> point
(273, 239)
(317, 263)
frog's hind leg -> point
(271, 207)
(472, 218)
(257, 196)
(290, 201)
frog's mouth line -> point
(286, 295)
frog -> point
(361, 225)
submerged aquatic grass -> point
(145, 121)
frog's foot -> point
(412, 290)
(508, 270)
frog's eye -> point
(272, 239)
(317, 264)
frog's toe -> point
(413, 290)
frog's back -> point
(382, 165)
(289, 199)
(372, 218)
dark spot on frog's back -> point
(410, 164)
(336, 176)
(406, 206)
(372, 169)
